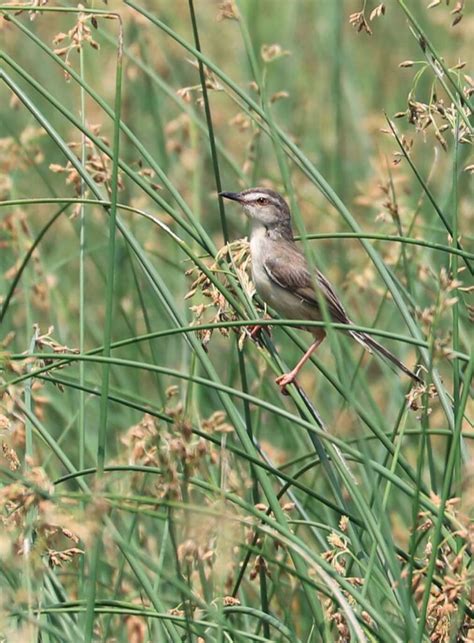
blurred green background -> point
(331, 87)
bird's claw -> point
(255, 332)
(284, 380)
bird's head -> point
(265, 206)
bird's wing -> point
(335, 306)
(289, 270)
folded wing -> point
(289, 270)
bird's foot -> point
(284, 380)
(255, 332)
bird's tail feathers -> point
(370, 344)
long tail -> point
(371, 345)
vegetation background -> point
(155, 485)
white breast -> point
(285, 303)
(259, 275)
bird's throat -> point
(274, 232)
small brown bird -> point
(283, 278)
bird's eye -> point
(262, 201)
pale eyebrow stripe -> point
(253, 196)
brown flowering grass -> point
(154, 484)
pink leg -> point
(255, 331)
(289, 378)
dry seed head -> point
(188, 551)
(377, 12)
(11, 457)
(80, 33)
(136, 628)
(240, 255)
(359, 22)
(59, 558)
(241, 121)
(279, 96)
(227, 11)
(171, 391)
(272, 52)
(46, 341)
(98, 165)
(230, 601)
(336, 541)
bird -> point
(285, 281)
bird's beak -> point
(234, 196)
